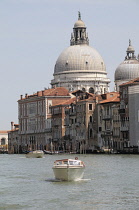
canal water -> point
(110, 182)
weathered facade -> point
(80, 130)
(110, 122)
(3, 141)
(14, 146)
(58, 126)
(129, 113)
(34, 112)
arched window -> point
(91, 90)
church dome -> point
(79, 66)
(79, 58)
(129, 68)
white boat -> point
(35, 154)
(68, 169)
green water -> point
(110, 182)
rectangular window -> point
(90, 106)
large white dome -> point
(79, 58)
(80, 67)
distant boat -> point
(35, 154)
(50, 152)
(68, 169)
(47, 152)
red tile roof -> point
(58, 91)
(131, 82)
(4, 131)
(66, 102)
(111, 99)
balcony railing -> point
(106, 117)
(106, 133)
(124, 128)
(121, 111)
(48, 130)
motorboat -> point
(35, 154)
(68, 169)
(50, 152)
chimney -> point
(43, 93)
(96, 99)
(21, 97)
(12, 125)
(26, 95)
(39, 93)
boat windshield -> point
(74, 162)
(68, 162)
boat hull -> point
(35, 154)
(68, 174)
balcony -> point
(106, 117)
(72, 113)
(48, 130)
(55, 140)
(121, 111)
(124, 128)
(106, 133)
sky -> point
(33, 33)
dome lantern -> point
(130, 52)
(79, 35)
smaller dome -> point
(79, 24)
(130, 49)
(127, 70)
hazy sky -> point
(34, 32)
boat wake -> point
(57, 180)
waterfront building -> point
(34, 112)
(80, 67)
(14, 146)
(128, 69)
(129, 113)
(79, 130)
(3, 141)
(58, 126)
(109, 122)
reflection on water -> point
(110, 182)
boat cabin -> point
(70, 162)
